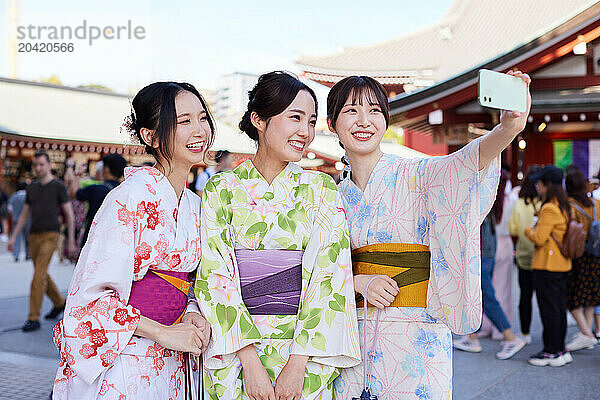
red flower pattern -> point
(105, 343)
(124, 215)
(137, 263)
(143, 251)
(78, 313)
(161, 245)
(98, 337)
(104, 388)
(84, 329)
(153, 221)
(122, 316)
(108, 357)
(87, 351)
(68, 371)
(141, 210)
(159, 363)
(174, 261)
(101, 307)
(152, 208)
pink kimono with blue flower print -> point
(439, 202)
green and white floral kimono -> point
(299, 210)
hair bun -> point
(246, 126)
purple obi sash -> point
(161, 295)
(271, 280)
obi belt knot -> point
(270, 280)
(407, 264)
(162, 295)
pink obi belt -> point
(161, 295)
(271, 280)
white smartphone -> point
(502, 91)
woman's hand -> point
(511, 123)
(257, 383)
(201, 323)
(291, 378)
(183, 337)
(382, 291)
(515, 121)
(179, 337)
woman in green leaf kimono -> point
(275, 277)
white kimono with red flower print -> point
(136, 229)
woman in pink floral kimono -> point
(128, 320)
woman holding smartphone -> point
(414, 234)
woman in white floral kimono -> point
(127, 320)
(275, 279)
(414, 234)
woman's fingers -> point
(389, 298)
(392, 283)
(383, 293)
(375, 302)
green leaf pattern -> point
(298, 210)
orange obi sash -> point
(407, 264)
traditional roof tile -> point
(472, 32)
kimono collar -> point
(252, 173)
(150, 176)
(345, 174)
(147, 174)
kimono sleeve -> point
(459, 196)
(98, 323)
(326, 329)
(217, 285)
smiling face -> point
(360, 124)
(286, 136)
(193, 131)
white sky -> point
(198, 41)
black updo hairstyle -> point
(154, 109)
(273, 93)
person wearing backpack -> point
(583, 286)
(550, 267)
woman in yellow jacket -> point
(550, 267)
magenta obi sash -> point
(271, 280)
(161, 295)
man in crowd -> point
(113, 166)
(44, 199)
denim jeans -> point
(22, 238)
(491, 307)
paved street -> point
(28, 361)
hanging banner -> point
(563, 153)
